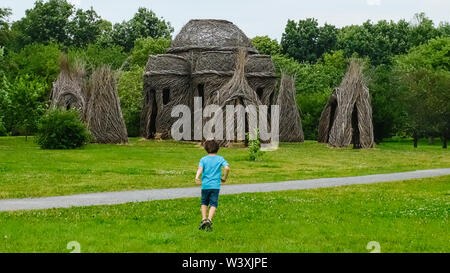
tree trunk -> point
(416, 139)
(444, 142)
(430, 140)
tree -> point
(265, 45)
(305, 41)
(4, 25)
(382, 40)
(46, 22)
(86, 27)
(314, 83)
(144, 24)
(25, 108)
(387, 116)
(4, 103)
(36, 61)
(130, 88)
(422, 30)
(95, 55)
(424, 78)
(4, 15)
(144, 47)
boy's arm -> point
(197, 177)
(225, 174)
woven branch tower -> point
(347, 116)
(237, 91)
(103, 112)
(69, 88)
(290, 122)
(96, 98)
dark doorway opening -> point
(355, 127)
(201, 93)
(270, 104)
(154, 113)
(166, 96)
(332, 117)
(260, 92)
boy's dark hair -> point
(211, 146)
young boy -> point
(211, 167)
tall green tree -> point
(86, 27)
(424, 78)
(4, 26)
(305, 41)
(25, 106)
(36, 61)
(144, 24)
(45, 22)
(130, 88)
(95, 55)
(144, 47)
(267, 46)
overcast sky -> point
(259, 17)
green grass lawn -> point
(28, 171)
(409, 216)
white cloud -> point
(373, 2)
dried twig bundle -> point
(290, 122)
(103, 112)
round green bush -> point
(61, 129)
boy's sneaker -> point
(202, 224)
(208, 225)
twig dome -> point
(203, 61)
(208, 35)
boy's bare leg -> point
(212, 210)
(204, 209)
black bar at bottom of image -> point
(224, 262)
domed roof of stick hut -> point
(210, 34)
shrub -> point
(254, 148)
(61, 129)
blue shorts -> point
(210, 197)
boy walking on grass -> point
(210, 169)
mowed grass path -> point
(28, 171)
(409, 216)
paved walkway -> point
(110, 198)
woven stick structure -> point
(69, 88)
(347, 116)
(166, 84)
(290, 122)
(237, 91)
(200, 62)
(103, 112)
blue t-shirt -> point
(212, 171)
